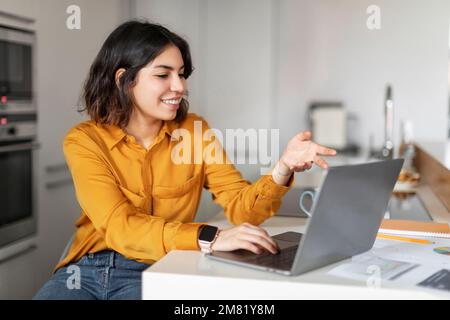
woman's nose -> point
(177, 84)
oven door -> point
(17, 218)
(16, 64)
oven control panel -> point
(17, 126)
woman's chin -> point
(170, 111)
(171, 115)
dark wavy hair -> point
(131, 46)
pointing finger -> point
(325, 151)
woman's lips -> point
(171, 106)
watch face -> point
(208, 233)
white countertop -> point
(189, 275)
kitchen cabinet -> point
(431, 161)
(13, 9)
(18, 276)
(63, 58)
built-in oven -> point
(16, 68)
(18, 142)
(18, 147)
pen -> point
(386, 236)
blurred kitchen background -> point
(287, 64)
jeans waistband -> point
(112, 259)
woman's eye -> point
(163, 76)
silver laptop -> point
(346, 216)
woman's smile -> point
(173, 103)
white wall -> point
(326, 52)
(63, 58)
(237, 86)
(260, 63)
(231, 49)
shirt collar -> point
(170, 127)
(114, 134)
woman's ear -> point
(119, 73)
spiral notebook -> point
(415, 228)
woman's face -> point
(160, 86)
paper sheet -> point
(423, 254)
(367, 267)
(403, 263)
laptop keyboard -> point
(282, 260)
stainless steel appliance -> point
(16, 68)
(387, 150)
(18, 143)
(388, 147)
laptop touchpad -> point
(284, 240)
(289, 236)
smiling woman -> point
(137, 203)
(157, 94)
(134, 51)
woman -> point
(137, 202)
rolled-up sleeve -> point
(124, 227)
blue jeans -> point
(105, 275)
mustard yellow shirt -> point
(141, 203)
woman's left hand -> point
(301, 153)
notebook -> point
(415, 228)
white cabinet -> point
(18, 277)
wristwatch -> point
(208, 235)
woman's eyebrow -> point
(167, 67)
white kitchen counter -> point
(189, 275)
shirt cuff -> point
(186, 237)
(269, 189)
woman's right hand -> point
(247, 237)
